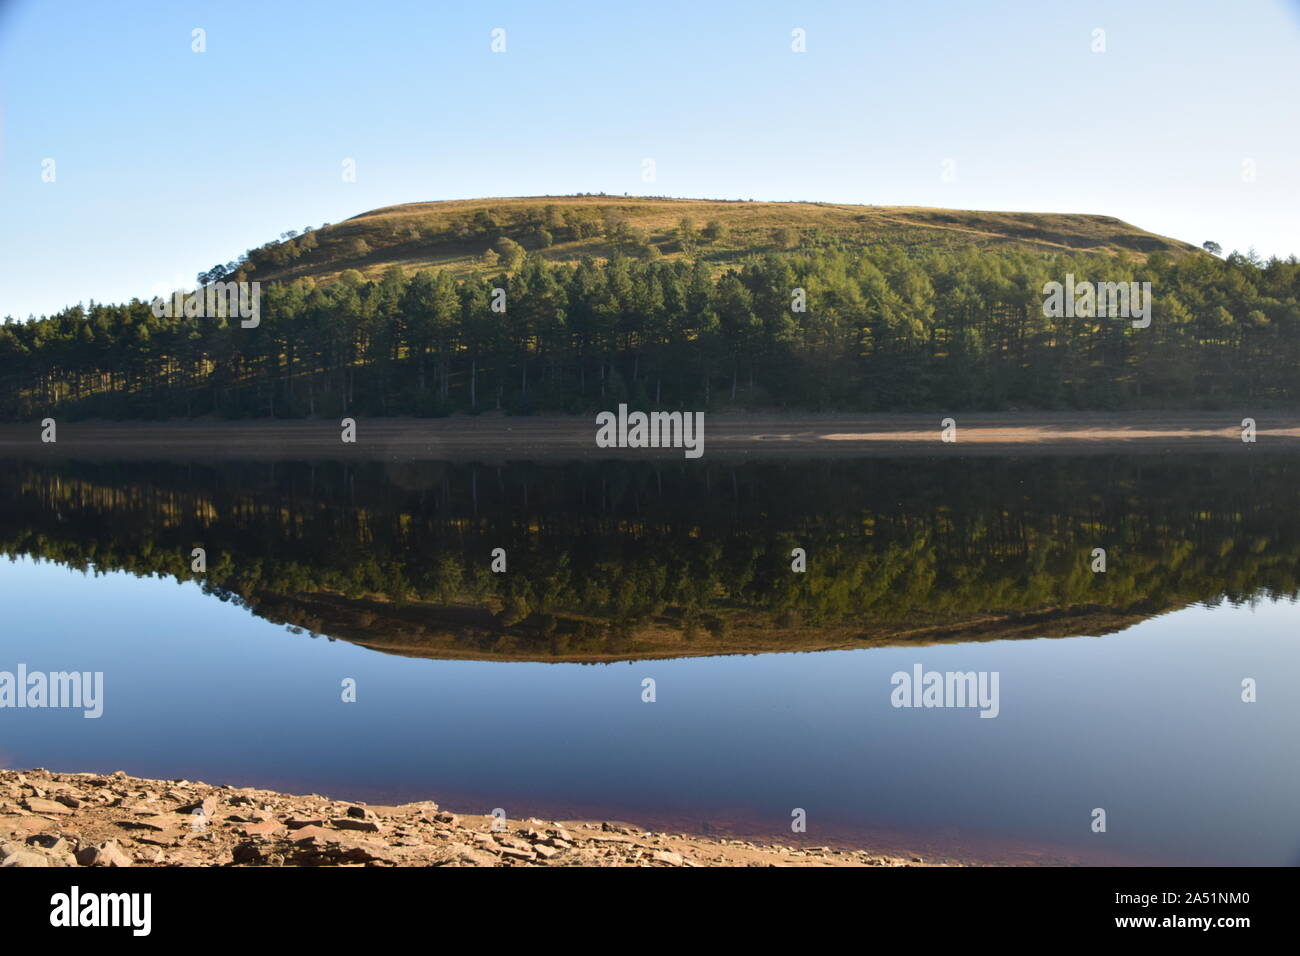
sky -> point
(167, 160)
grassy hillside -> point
(456, 235)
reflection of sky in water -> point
(1147, 724)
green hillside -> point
(576, 305)
(458, 235)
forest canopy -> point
(883, 327)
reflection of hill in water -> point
(467, 632)
(619, 560)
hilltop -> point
(458, 234)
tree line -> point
(884, 327)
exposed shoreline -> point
(89, 819)
(731, 435)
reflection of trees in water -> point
(598, 553)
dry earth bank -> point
(729, 435)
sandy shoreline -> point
(88, 819)
(497, 437)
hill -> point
(457, 234)
(577, 305)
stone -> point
(265, 829)
(314, 832)
(466, 854)
(157, 822)
(248, 853)
(38, 805)
(26, 858)
(609, 838)
(368, 853)
(350, 823)
(165, 838)
(106, 854)
(667, 856)
(208, 805)
(53, 842)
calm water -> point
(523, 690)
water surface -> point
(524, 690)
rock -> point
(208, 805)
(313, 832)
(26, 858)
(106, 854)
(350, 823)
(369, 853)
(165, 838)
(53, 842)
(322, 851)
(248, 853)
(157, 822)
(473, 857)
(37, 805)
(45, 820)
(265, 829)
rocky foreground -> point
(87, 819)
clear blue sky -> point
(168, 161)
